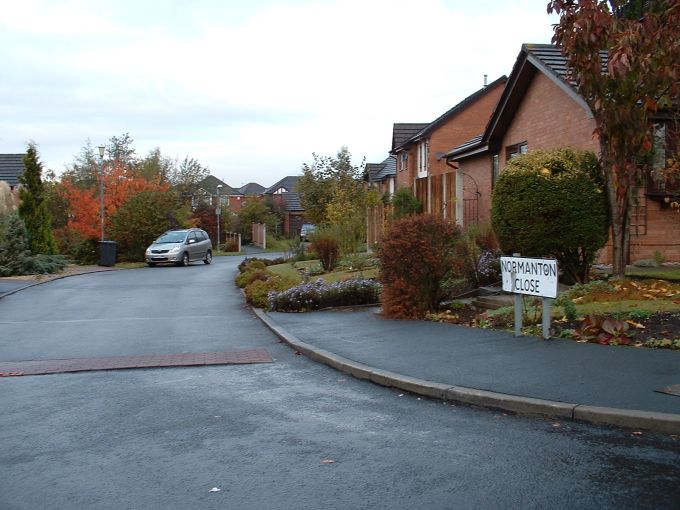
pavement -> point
(555, 378)
(559, 379)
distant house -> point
(11, 168)
(252, 189)
(419, 148)
(540, 109)
(206, 193)
(285, 200)
(382, 176)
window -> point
(515, 150)
(423, 154)
(403, 161)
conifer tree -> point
(33, 207)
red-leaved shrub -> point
(327, 249)
(415, 256)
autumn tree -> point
(156, 166)
(186, 176)
(33, 207)
(333, 196)
(120, 185)
(140, 220)
(255, 211)
(640, 43)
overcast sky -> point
(248, 88)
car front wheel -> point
(208, 257)
(185, 260)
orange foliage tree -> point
(120, 185)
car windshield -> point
(172, 237)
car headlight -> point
(148, 251)
(175, 249)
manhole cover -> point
(55, 366)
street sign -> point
(533, 277)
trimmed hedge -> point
(552, 204)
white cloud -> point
(249, 91)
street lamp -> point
(101, 189)
(217, 212)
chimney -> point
(485, 77)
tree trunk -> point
(619, 193)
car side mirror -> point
(191, 241)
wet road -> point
(290, 434)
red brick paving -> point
(55, 366)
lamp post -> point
(217, 213)
(101, 189)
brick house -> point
(284, 199)
(539, 109)
(419, 149)
(206, 193)
(382, 176)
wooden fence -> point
(260, 235)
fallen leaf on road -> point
(298, 353)
(637, 433)
(556, 424)
(327, 461)
(401, 394)
(215, 489)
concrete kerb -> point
(628, 418)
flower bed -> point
(319, 294)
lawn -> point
(289, 271)
(669, 273)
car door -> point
(193, 246)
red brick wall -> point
(461, 128)
(548, 118)
(479, 168)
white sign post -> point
(531, 277)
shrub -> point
(249, 276)
(326, 247)
(76, 247)
(258, 263)
(415, 256)
(404, 203)
(137, 222)
(552, 204)
(16, 258)
(257, 292)
(319, 294)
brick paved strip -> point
(55, 366)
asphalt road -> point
(290, 434)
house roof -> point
(532, 59)
(402, 131)
(380, 171)
(11, 168)
(372, 170)
(211, 182)
(252, 189)
(389, 168)
(291, 202)
(289, 183)
(452, 112)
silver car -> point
(180, 247)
